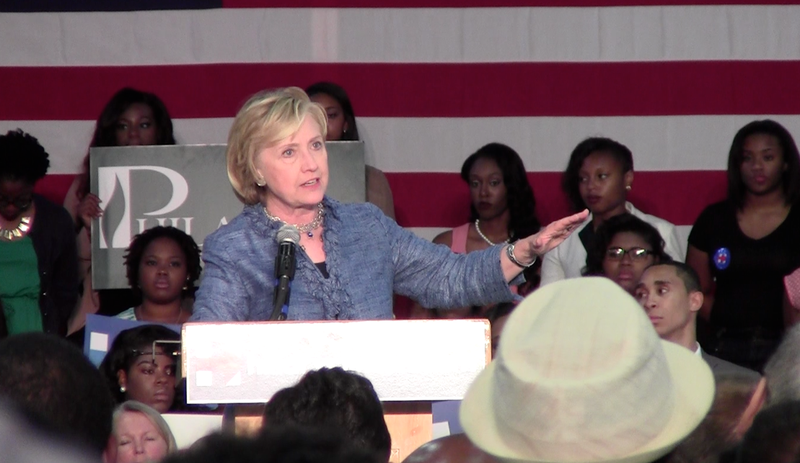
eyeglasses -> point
(618, 253)
(20, 203)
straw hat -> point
(582, 376)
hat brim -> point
(694, 393)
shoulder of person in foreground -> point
(722, 367)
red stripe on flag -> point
(677, 196)
(422, 90)
(483, 3)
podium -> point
(411, 363)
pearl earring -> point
(122, 389)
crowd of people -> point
(592, 316)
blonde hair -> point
(265, 119)
(151, 414)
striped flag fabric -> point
(431, 81)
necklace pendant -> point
(310, 234)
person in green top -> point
(38, 259)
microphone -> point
(285, 264)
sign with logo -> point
(181, 186)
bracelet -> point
(512, 258)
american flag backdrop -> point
(430, 80)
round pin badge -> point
(722, 258)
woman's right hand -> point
(89, 209)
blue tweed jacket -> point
(368, 256)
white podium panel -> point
(406, 360)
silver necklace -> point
(17, 232)
(307, 228)
(488, 241)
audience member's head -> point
(782, 371)
(335, 399)
(624, 246)
(132, 117)
(784, 173)
(276, 444)
(598, 176)
(56, 385)
(139, 434)
(23, 162)
(455, 448)
(160, 246)
(137, 369)
(337, 106)
(582, 376)
(498, 315)
(774, 436)
(724, 426)
(23, 441)
(671, 295)
(500, 171)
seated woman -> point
(162, 265)
(38, 260)
(623, 248)
(351, 257)
(138, 433)
(342, 126)
(130, 118)
(599, 176)
(741, 248)
(502, 209)
(137, 369)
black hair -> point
(606, 232)
(336, 92)
(336, 399)
(133, 255)
(56, 386)
(22, 157)
(128, 346)
(275, 444)
(570, 180)
(685, 272)
(774, 436)
(519, 194)
(791, 176)
(500, 310)
(105, 131)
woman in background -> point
(162, 265)
(502, 210)
(38, 261)
(742, 247)
(136, 370)
(599, 177)
(624, 247)
(139, 434)
(130, 118)
(342, 127)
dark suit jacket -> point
(723, 367)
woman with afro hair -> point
(38, 258)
